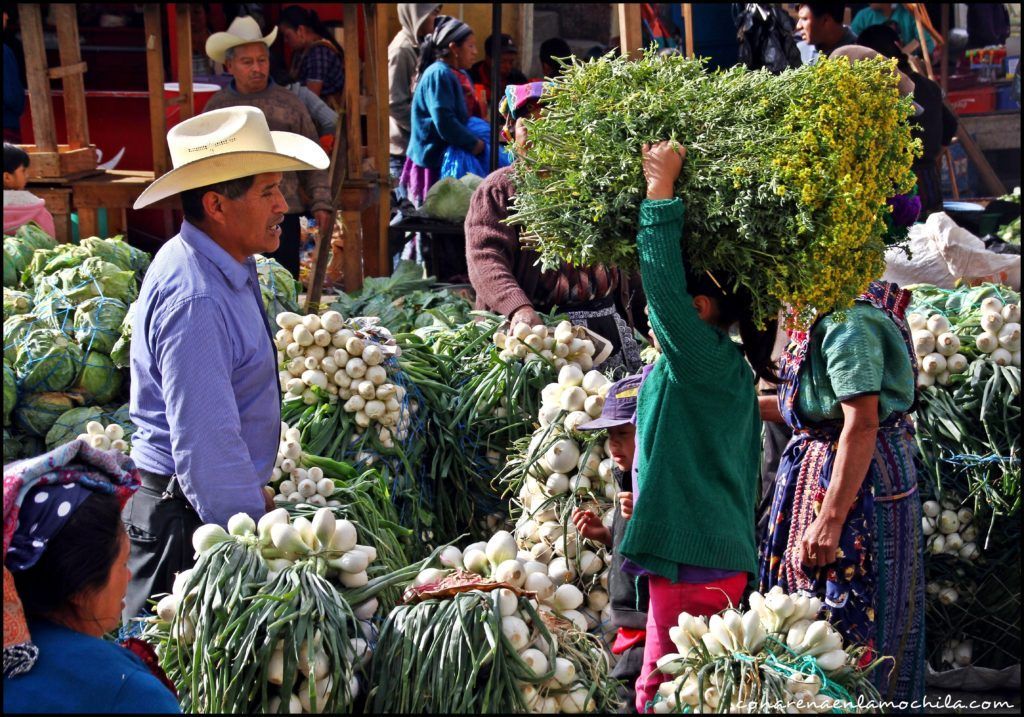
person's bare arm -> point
(315, 86)
(853, 460)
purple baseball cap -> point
(619, 405)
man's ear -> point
(213, 206)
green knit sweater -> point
(698, 426)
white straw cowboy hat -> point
(242, 31)
(225, 144)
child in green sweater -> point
(698, 430)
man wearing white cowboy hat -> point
(244, 50)
(204, 386)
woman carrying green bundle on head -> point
(698, 428)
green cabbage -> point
(12, 448)
(10, 392)
(65, 256)
(52, 307)
(278, 287)
(16, 302)
(117, 251)
(16, 329)
(96, 277)
(34, 236)
(70, 424)
(121, 353)
(20, 249)
(14, 262)
(47, 360)
(99, 379)
(34, 267)
(37, 412)
(448, 200)
(97, 323)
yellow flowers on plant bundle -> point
(785, 184)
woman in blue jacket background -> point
(439, 115)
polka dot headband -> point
(45, 511)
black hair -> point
(735, 307)
(76, 561)
(294, 17)
(835, 10)
(14, 157)
(885, 41)
(489, 42)
(554, 47)
(192, 199)
(433, 47)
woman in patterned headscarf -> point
(507, 277)
(65, 577)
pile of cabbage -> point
(65, 306)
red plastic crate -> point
(973, 101)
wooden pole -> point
(337, 169)
(383, 148)
(74, 82)
(631, 37)
(353, 121)
(43, 128)
(183, 28)
(688, 29)
(922, 38)
(155, 79)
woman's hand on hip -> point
(820, 544)
(663, 162)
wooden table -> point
(114, 190)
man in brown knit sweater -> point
(508, 280)
(248, 62)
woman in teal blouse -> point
(846, 515)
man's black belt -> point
(167, 485)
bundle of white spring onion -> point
(950, 531)
(323, 358)
(563, 344)
(490, 650)
(938, 347)
(580, 394)
(775, 657)
(552, 578)
(105, 438)
(560, 469)
(274, 616)
(295, 484)
(328, 542)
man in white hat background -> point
(204, 385)
(245, 54)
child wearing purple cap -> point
(627, 593)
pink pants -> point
(668, 600)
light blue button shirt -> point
(204, 389)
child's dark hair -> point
(14, 157)
(734, 307)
